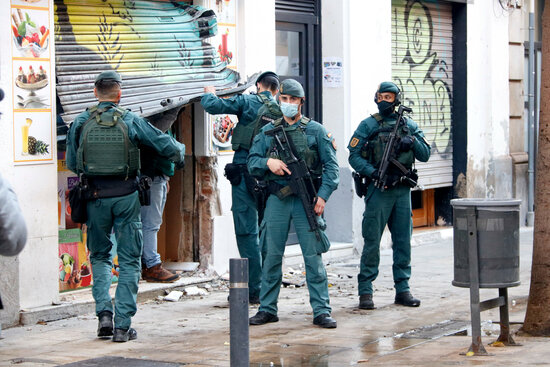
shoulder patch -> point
(329, 135)
(353, 143)
(334, 144)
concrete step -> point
(81, 302)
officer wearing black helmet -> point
(392, 204)
(253, 112)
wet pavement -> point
(195, 330)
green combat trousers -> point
(123, 214)
(245, 220)
(393, 207)
(277, 217)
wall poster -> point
(33, 133)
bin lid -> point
(485, 202)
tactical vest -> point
(105, 148)
(244, 134)
(373, 150)
(299, 137)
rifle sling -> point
(401, 167)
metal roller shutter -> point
(158, 47)
(422, 55)
(306, 7)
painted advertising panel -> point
(32, 88)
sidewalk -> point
(195, 330)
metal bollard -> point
(238, 312)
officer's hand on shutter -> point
(406, 143)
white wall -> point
(36, 188)
(370, 64)
(256, 52)
(488, 101)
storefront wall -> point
(489, 172)
(30, 280)
(359, 33)
(255, 52)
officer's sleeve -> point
(358, 140)
(163, 144)
(421, 146)
(215, 105)
(257, 161)
(331, 174)
(72, 144)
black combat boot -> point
(263, 317)
(406, 299)
(105, 324)
(365, 302)
(123, 335)
(325, 321)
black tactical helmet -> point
(269, 77)
(389, 87)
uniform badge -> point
(329, 135)
(353, 143)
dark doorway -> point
(298, 49)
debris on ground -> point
(195, 291)
(173, 296)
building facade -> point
(455, 62)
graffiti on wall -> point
(422, 68)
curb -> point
(87, 304)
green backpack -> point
(244, 134)
(105, 148)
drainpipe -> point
(531, 121)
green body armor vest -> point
(105, 148)
(244, 134)
(299, 137)
(373, 151)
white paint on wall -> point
(225, 243)
(336, 101)
(488, 95)
(6, 126)
(256, 52)
(36, 188)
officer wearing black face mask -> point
(391, 206)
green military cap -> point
(386, 87)
(110, 75)
(292, 88)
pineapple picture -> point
(37, 146)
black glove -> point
(180, 165)
(392, 180)
(406, 143)
(375, 176)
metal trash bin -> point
(486, 255)
(497, 238)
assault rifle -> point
(300, 181)
(390, 152)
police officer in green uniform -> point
(102, 145)
(244, 207)
(317, 148)
(391, 206)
